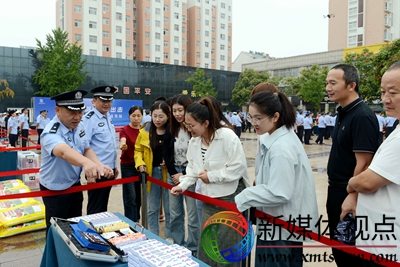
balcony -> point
(388, 7)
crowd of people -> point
(194, 146)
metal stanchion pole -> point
(143, 180)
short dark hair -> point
(350, 74)
(394, 66)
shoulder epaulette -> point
(89, 115)
(54, 128)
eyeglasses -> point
(188, 126)
(256, 121)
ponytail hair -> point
(204, 110)
(269, 103)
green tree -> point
(312, 85)
(62, 65)
(366, 65)
(201, 85)
(5, 90)
(248, 79)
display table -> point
(8, 163)
(57, 253)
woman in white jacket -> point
(215, 158)
(284, 186)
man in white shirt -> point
(321, 128)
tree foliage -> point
(248, 79)
(311, 85)
(5, 90)
(365, 63)
(61, 65)
(201, 85)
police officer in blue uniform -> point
(65, 151)
(100, 132)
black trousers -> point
(24, 134)
(300, 132)
(39, 132)
(380, 138)
(98, 198)
(131, 193)
(63, 206)
(334, 201)
(307, 136)
(238, 130)
(321, 135)
(13, 139)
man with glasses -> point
(100, 132)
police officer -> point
(41, 121)
(100, 132)
(13, 128)
(65, 151)
(24, 126)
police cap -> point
(104, 92)
(72, 100)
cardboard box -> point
(28, 160)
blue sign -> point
(118, 111)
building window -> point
(352, 39)
(118, 16)
(158, 48)
(165, 32)
(222, 15)
(119, 3)
(166, 19)
(197, 43)
(176, 15)
(222, 57)
(78, 37)
(77, 9)
(176, 3)
(93, 38)
(229, 18)
(92, 24)
(118, 55)
(105, 7)
(176, 50)
(176, 62)
(118, 29)
(198, 32)
(158, 59)
(147, 10)
(158, 35)
(78, 23)
(128, 56)
(206, 55)
(105, 21)
(158, 11)
(207, 12)
(212, 40)
(222, 26)
(212, 62)
(197, 65)
(105, 34)
(207, 22)
(93, 52)
(183, 18)
(222, 47)
(165, 55)
(127, 44)
(352, 25)
(198, 10)
(165, 43)
(212, 29)
(176, 27)
(128, 18)
(127, 5)
(197, 54)
(165, 7)
(158, 23)
(106, 48)
(147, 34)
(212, 51)
(206, 65)
(222, 36)
(206, 44)
(229, 28)
(183, 29)
(213, 19)
(147, 46)
(147, 59)
(147, 22)
(127, 31)
(207, 33)
(198, 21)
(92, 10)
(118, 42)
(176, 39)
(183, 52)
(222, 67)
(352, 11)
(222, 5)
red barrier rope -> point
(292, 228)
(20, 148)
(18, 172)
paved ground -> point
(26, 249)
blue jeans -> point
(280, 256)
(131, 193)
(178, 217)
(154, 199)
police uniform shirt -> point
(24, 119)
(13, 123)
(42, 121)
(100, 132)
(57, 173)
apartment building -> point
(195, 33)
(362, 22)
